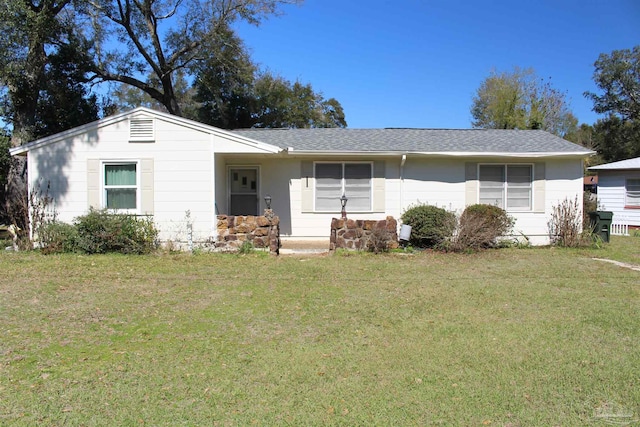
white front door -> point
(243, 191)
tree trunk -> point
(15, 206)
(25, 92)
(170, 102)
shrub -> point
(565, 225)
(480, 226)
(101, 231)
(246, 247)
(57, 237)
(430, 225)
(27, 212)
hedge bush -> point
(57, 237)
(431, 226)
(101, 231)
(480, 226)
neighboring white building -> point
(619, 190)
(180, 171)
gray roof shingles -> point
(414, 140)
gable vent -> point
(141, 129)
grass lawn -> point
(515, 337)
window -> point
(632, 187)
(506, 186)
(335, 179)
(121, 186)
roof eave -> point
(231, 136)
(574, 154)
(23, 149)
(597, 169)
(18, 151)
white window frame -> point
(636, 189)
(343, 186)
(104, 187)
(505, 185)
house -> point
(183, 173)
(619, 190)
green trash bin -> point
(601, 224)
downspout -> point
(402, 162)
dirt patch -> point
(619, 264)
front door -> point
(243, 191)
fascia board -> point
(308, 153)
(630, 164)
(579, 154)
(537, 154)
(142, 111)
(216, 131)
(63, 135)
(597, 169)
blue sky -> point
(412, 63)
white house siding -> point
(442, 182)
(190, 164)
(611, 195)
(318, 225)
(220, 182)
(274, 175)
(563, 180)
(280, 177)
(182, 168)
(434, 181)
(276, 180)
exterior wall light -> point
(267, 201)
(343, 203)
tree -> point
(617, 136)
(5, 168)
(62, 100)
(43, 88)
(582, 135)
(617, 139)
(618, 76)
(521, 100)
(29, 31)
(160, 37)
(585, 135)
(281, 104)
(124, 97)
(232, 93)
(65, 101)
(224, 84)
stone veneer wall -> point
(363, 234)
(261, 231)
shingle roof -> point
(415, 140)
(622, 164)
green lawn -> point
(515, 337)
